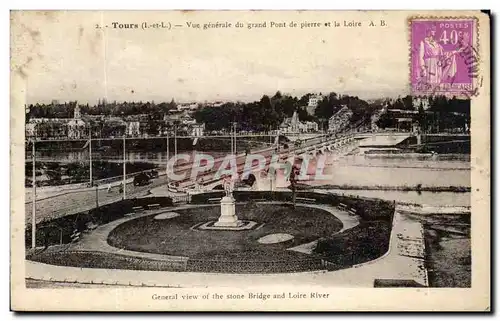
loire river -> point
(437, 171)
(427, 198)
(353, 170)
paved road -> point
(72, 203)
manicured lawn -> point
(175, 236)
(448, 250)
(365, 242)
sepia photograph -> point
(250, 160)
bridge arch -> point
(250, 180)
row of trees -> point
(332, 103)
(442, 114)
(66, 110)
(269, 112)
(435, 103)
(265, 114)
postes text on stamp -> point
(444, 56)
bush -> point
(366, 208)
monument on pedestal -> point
(228, 221)
(228, 216)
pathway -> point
(399, 263)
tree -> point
(398, 104)
(304, 100)
(323, 110)
(172, 104)
(422, 117)
(386, 121)
(407, 103)
(270, 117)
(152, 127)
(294, 172)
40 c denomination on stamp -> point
(444, 56)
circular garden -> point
(176, 236)
(271, 247)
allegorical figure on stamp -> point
(436, 64)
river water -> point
(352, 170)
(436, 171)
(361, 171)
(427, 198)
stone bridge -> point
(255, 173)
(312, 147)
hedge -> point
(366, 208)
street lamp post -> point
(231, 138)
(96, 196)
(175, 141)
(234, 134)
(33, 200)
(124, 169)
(278, 139)
(90, 155)
(168, 152)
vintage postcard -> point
(250, 161)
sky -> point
(63, 56)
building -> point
(420, 100)
(30, 129)
(294, 125)
(133, 128)
(340, 120)
(187, 106)
(403, 119)
(376, 117)
(76, 126)
(184, 124)
(45, 128)
(314, 100)
(187, 120)
(215, 104)
(141, 125)
(113, 127)
(311, 126)
(313, 103)
(197, 130)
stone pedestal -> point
(228, 216)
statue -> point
(228, 218)
(228, 186)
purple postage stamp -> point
(444, 56)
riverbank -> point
(74, 173)
(448, 255)
(157, 144)
(403, 188)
